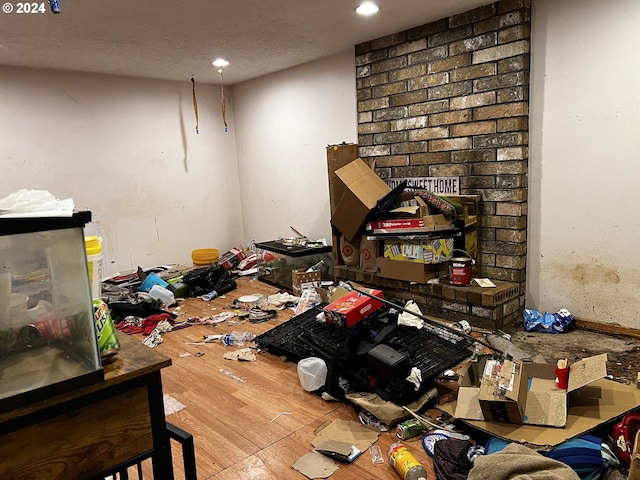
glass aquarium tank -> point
(48, 338)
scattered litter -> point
(171, 405)
(308, 299)
(485, 282)
(237, 339)
(244, 354)
(154, 339)
(184, 354)
(213, 319)
(558, 322)
(415, 377)
(339, 436)
(231, 375)
(199, 354)
(408, 319)
(376, 454)
(279, 415)
(210, 338)
(369, 419)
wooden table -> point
(96, 430)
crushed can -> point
(108, 343)
(409, 429)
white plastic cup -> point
(93, 246)
(312, 372)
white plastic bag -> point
(312, 372)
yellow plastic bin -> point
(205, 257)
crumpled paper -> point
(408, 319)
(35, 203)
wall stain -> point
(586, 274)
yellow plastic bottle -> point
(405, 463)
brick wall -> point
(451, 98)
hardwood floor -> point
(240, 429)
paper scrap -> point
(484, 282)
(171, 405)
(244, 354)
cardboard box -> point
(530, 388)
(407, 271)
(301, 280)
(502, 394)
(352, 308)
(584, 406)
(337, 157)
(420, 251)
(363, 189)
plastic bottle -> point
(237, 339)
(405, 463)
(161, 293)
(316, 267)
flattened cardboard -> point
(345, 432)
(363, 189)
(315, 465)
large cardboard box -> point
(337, 157)
(362, 190)
(589, 401)
(526, 392)
(407, 271)
(419, 251)
(352, 307)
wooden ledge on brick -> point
(490, 308)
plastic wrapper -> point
(559, 322)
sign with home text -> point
(437, 185)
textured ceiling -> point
(173, 39)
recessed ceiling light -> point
(220, 62)
(367, 8)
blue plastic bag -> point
(558, 322)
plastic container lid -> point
(93, 245)
(205, 256)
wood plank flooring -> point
(240, 429)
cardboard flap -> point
(510, 379)
(587, 371)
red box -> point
(352, 307)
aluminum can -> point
(108, 343)
(409, 429)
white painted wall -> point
(584, 183)
(126, 149)
(284, 123)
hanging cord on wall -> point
(222, 102)
(195, 102)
